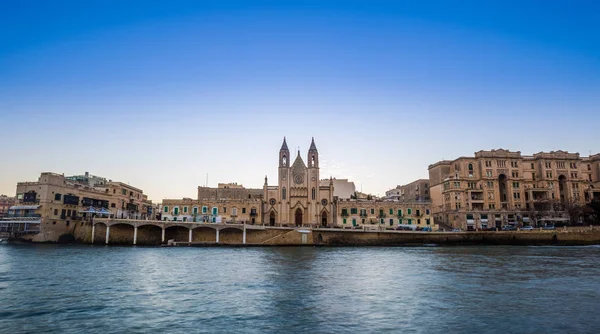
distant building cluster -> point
(488, 190)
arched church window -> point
(314, 193)
(471, 167)
(312, 161)
(283, 193)
(284, 160)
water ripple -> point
(97, 289)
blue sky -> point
(160, 94)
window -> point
(470, 167)
(234, 212)
(195, 210)
(391, 221)
(532, 166)
(165, 218)
(56, 212)
(548, 174)
(175, 210)
(344, 212)
(185, 209)
(501, 163)
(427, 221)
(391, 211)
(184, 219)
(353, 211)
(515, 174)
(57, 197)
(215, 211)
(399, 213)
(283, 193)
(224, 209)
(516, 195)
(488, 173)
(548, 164)
(456, 184)
(427, 211)
(589, 167)
(314, 193)
(490, 184)
(409, 221)
(560, 164)
(166, 209)
(372, 211)
(353, 221)
(344, 221)
(243, 210)
(515, 184)
(488, 164)
(382, 221)
(204, 209)
(492, 206)
(174, 219)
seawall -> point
(122, 234)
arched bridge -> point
(164, 225)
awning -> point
(470, 222)
(104, 211)
(24, 207)
(484, 220)
(525, 219)
(89, 210)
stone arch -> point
(231, 235)
(206, 234)
(503, 188)
(121, 234)
(272, 218)
(99, 233)
(562, 188)
(149, 234)
(177, 232)
(298, 217)
(324, 221)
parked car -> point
(508, 228)
(548, 227)
(456, 230)
(527, 228)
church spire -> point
(284, 146)
(284, 155)
(313, 155)
(313, 147)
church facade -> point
(299, 198)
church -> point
(300, 198)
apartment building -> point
(499, 187)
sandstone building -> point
(415, 191)
(63, 201)
(5, 204)
(499, 187)
(299, 198)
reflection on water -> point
(318, 290)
